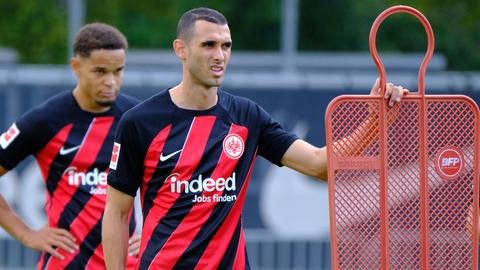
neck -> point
(87, 104)
(194, 97)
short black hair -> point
(188, 19)
(97, 36)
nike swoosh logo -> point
(163, 158)
(67, 151)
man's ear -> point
(180, 48)
(75, 65)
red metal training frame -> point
(403, 181)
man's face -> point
(208, 51)
(100, 76)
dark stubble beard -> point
(106, 103)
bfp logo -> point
(450, 162)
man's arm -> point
(115, 228)
(310, 160)
(307, 159)
(44, 239)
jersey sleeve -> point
(274, 140)
(126, 165)
(22, 138)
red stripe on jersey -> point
(84, 158)
(93, 209)
(152, 157)
(42, 260)
(97, 260)
(131, 262)
(184, 234)
(83, 224)
(239, 263)
(47, 154)
(217, 247)
(188, 161)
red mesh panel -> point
(357, 208)
(360, 243)
(361, 238)
(451, 122)
(403, 186)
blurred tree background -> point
(37, 29)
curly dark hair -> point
(96, 36)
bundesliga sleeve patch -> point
(115, 153)
(9, 136)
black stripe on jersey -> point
(74, 138)
(200, 242)
(91, 242)
(230, 254)
(156, 241)
(175, 141)
(80, 197)
(87, 247)
(206, 233)
(46, 257)
(219, 213)
(192, 255)
(166, 227)
(56, 171)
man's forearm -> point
(361, 138)
(11, 222)
(115, 239)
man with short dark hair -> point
(191, 149)
(71, 136)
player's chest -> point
(85, 144)
(201, 144)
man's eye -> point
(208, 44)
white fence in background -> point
(265, 252)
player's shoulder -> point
(57, 101)
(231, 102)
(55, 105)
(125, 102)
(242, 109)
(53, 111)
(152, 105)
(228, 99)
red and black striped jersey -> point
(73, 149)
(193, 169)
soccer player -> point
(190, 149)
(71, 136)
